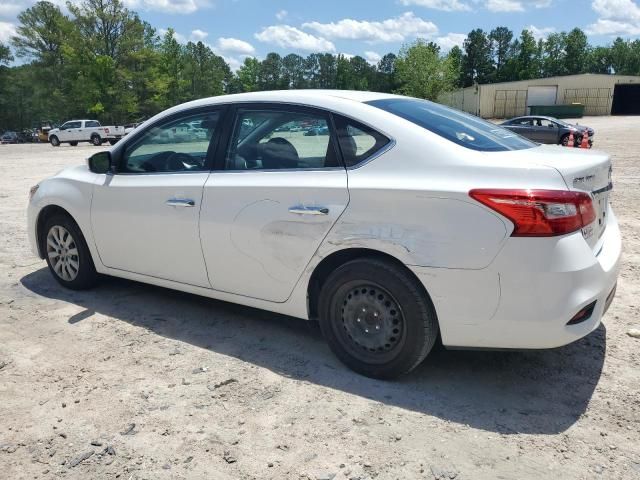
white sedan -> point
(405, 222)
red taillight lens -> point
(106, 130)
(539, 213)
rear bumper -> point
(531, 291)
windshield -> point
(458, 127)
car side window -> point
(274, 139)
(91, 124)
(357, 141)
(176, 145)
(547, 123)
(525, 122)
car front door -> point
(274, 196)
(64, 132)
(537, 131)
(549, 131)
(145, 216)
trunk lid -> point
(582, 170)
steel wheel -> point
(373, 325)
(63, 253)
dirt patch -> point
(136, 381)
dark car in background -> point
(10, 137)
(547, 129)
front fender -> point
(71, 191)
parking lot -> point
(138, 382)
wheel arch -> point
(331, 262)
(44, 214)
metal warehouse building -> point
(600, 94)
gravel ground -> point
(134, 381)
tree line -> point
(103, 61)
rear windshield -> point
(458, 127)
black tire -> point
(96, 140)
(398, 327)
(86, 275)
(53, 140)
(113, 141)
(73, 144)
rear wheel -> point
(96, 140)
(53, 140)
(377, 318)
(67, 254)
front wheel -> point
(377, 318)
(67, 254)
(96, 140)
(53, 140)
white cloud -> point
(505, 6)
(10, 9)
(395, 29)
(445, 5)
(183, 7)
(286, 36)
(515, 5)
(198, 35)
(7, 30)
(281, 15)
(235, 46)
(450, 40)
(372, 57)
(616, 17)
(540, 33)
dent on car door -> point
(274, 198)
(145, 217)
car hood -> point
(581, 128)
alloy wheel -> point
(63, 253)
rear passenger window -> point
(357, 141)
(278, 139)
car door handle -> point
(180, 202)
(301, 210)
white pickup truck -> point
(75, 131)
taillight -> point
(106, 130)
(539, 213)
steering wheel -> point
(177, 161)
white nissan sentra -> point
(390, 220)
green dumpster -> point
(575, 110)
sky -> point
(236, 29)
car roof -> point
(543, 117)
(310, 97)
(302, 96)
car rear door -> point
(271, 201)
(145, 217)
(89, 127)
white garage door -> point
(542, 95)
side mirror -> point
(100, 162)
